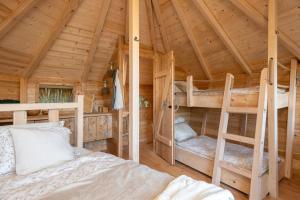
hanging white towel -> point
(118, 97)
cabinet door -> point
(85, 129)
(101, 127)
(92, 131)
(109, 127)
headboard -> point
(20, 113)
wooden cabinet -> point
(96, 127)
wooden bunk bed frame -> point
(239, 102)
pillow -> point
(183, 132)
(179, 120)
(7, 152)
(37, 149)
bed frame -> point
(20, 113)
(241, 101)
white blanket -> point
(186, 188)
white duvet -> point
(92, 176)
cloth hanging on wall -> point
(117, 102)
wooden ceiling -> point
(74, 40)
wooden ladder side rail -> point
(222, 129)
(259, 137)
(291, 119)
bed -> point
(213, 98)
(199, 152)
(85, 174)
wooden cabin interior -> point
(208, 88)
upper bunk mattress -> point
(235, 154)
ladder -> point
(258, 141)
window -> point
(55, 94)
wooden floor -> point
(288, 189)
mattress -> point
(92, 175)
(235, 154)
(180, 88)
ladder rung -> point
(237, 170)
(238, 138)
(245, 110)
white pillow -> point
(183, 132)
(179, 120)
(7, 152)
(37, 149)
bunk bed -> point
(199, 152)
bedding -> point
(7, 153)
(183, 132)
(36, 148)
(186, 188)
(235, 154)
(90, 176)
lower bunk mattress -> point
(235, 154)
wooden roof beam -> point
(16, 16)
(95, 40)
(151, 23)
(192, 38)
(49, 40)
(202, 7)
(161, 25)
(262, 21)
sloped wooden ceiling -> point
(67, 40)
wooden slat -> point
(262, 21)
(36, 106)
(134, 117)
(96, 36)
(200, 4)
(188, 29)
(20, 117)
(248, 110)
(291, 119)
(237, 170)
(272, 98)
(238, 138)
(161, 25)
(23, 90)
(49, 40)
(53, 115)
(16, 16)
(150, 15)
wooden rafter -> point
(15, 16)
(262, 21)
(93, 46)
(150, 15)
(49, 40)
(192, 38)
(161, 25)
(208, 15)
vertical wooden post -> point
(23, 90)
(20, 117)
(120, 112)
(204, 122)
(291, 119)
(189, 91)
(134, 80)
(53, 115)
(272, 100)
(79, 120)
